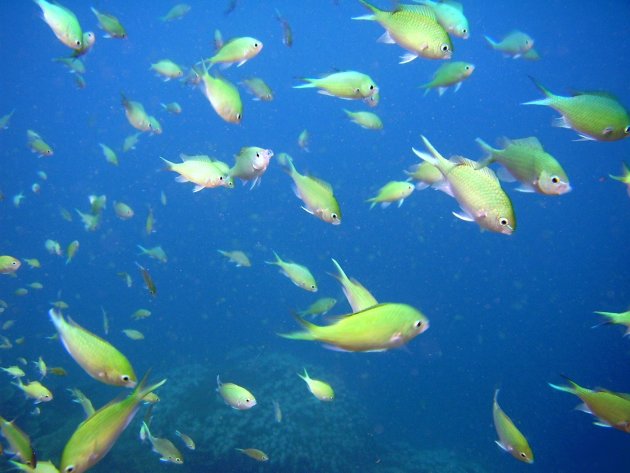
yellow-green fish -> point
(37, 144)
(133, 334)
(319, 307)
(625, 176)
(611, 409)
(349, 85)
(60, 305)
(21, 291)
(98, 358)
(427, 175)
(378, 328)
(164, 447)
(167, 69)
(177, 12)
(9, 264)
(91, 222)
(477, 191)
(237, 257)
(298, 274)
(18, 441)
(189, 442)
(34, 390)
(357, 295)
(150, 222)
(617, 318)
(250, 164)
(367, 120)
(41, 367)
(237, 50)
(531, 55)
(97, 203)
(58, 371)
(254, 453)
(157, 252)
(393, 191)
(42, 467)
(304, 140)
(201, 170)
(593, 115)
(95, 436)
(448, 75)
(110, 24)
(317, 195)
(123, 211)
(414, 28)
(33, 262)
(136, 114)
(141, 314)
(74, 65)
(258, 88)
(130, 142)
(5, 119)
(73, 247)
(110, 155)
(510, 438)
(83, 401)
(223, 96)
(235, 396)
(277, 412)
(514, 45)
(172, 107)
(527, 162)
(320, 389)
(450, 14)
(14, 371)
(63, 22)
(89, 38)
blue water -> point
(506, 312)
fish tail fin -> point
(496, 395)
(369, 17)
(609, 315)
(490, 41)
(573, 388)
(286, 162)
(306, 334)
(435, 158)
(168, 164)
(143, 251)
(340, 276)
(56, 318)
(304, 376)
(142, 389)
(308, 84)
(489, 150)
(548, 95)
(277, 261)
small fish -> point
(625, 176)
(450, 14)
(53, 247)
(19, 442)
(73, 247)
(164, 447)
(157, 253)
(223, 96)
(237, 51)
(41, 367)
(97, 203)
(83, 401)
(14, 371)
(130, 142)
(254, 453)
(510, 438)
(136, 114)
(133, 334)
(74, 65)
(287, 31)
(163, 199)
(448, 75)
(141, 314)
(378, 328)
(34, 390)
(167, 69)
(349, 85)
(190, 443)
(617, 318)
(36, 285)
(61, 305)
(33, 262)
(237, 257)
(126, 277)
(235, 396)
(150, 222)
(65, 214)
(201, 170)
(42, 467)
(151, 399)
(393, 191)
(514, 45)
(298, 274)
(250, 164)
(89, 38)
(258, 88)
(320, 389)
(9, 264)
(172, 107)
(5, 119)
(36, 188)
(177, 12)
(110, 24)
(21, 291)
(110, 155)
(304, 140)
(319, 307)
(593, 115)
(17, 199)
(231, 7)
(57, 371)
(37, 145)
(7, 324)
(427, 175)
(277, 412)
(148, 280)
(357, 295)
(91, 222)
(64, 24)
(367, 120)
(123, 211)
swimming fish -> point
(14, 371)
(304, 140)
(133, 334)
(201, 170)
(42, 467)
(110, 155)
(237, 257)
(164, 447)
(510, 438)
(167, 69)
(83, 401)
(172, 107)
(277, 412)
(357, 295)
(427, 175)
(110, 24)
(63, 22)
(258, 88)
(72, 249)
(140, 314)
(91, 222)
(123, 211)
(450, 14)
(9, 264)
(320, 389)
(414, 28)
(136, 114)
(235, 396)
(250, 164)
(189, 442)
(157, 253)
(130, 142)
(448, 75)
(34, 390)
(593, 115)
(41, 367)
(177, 12)
(287, 31)
(237, 51)
(393, 191)
(514, 45)
(298, 274)
(37, 145)
(367, 120)
(527, 161)
(625, 176)
(254, 453)
(95, 436)
(477, 191)
(5, 119)
(611, 409)
(223, 96)
(98, 358)
(317, 195)
(33, 262)
(18, 441)
(148, 280)
(319, 307)
(616, 318)
(349, 85)
(378, 328)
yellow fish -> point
(254, 453)
(510, 438)
(235, 396)
(298, 274)
(35, 390)
(320, 389)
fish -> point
(254, 453)
(320, 389)
(277, 412)
(201, 170)
(357, 295)
(250, 164)
(148, 280)
(477, 191)
(349, 85)
(140, 314)
(223, 96)
(610, 408)
(164, 447)
(367, 120)
(167, 69)
(41, 367)
(514, 45)
(33, 262)
(177, 12)
(150, 222)
(151, 399)
(172, 107)
(157, 253)
(130, 142)
(91, 222)
(378, 328)
(235, 396)
(625, 176)
(593, 115)
(125, 277)
(63, 22)
(298, 274)
(450, 14)
(123, 211)
(133, 334)
(74, 65)
(83, 401)
(393, 191)
(136, 114)
(72, 249)
(57, 371)
(304, 140)
(19, 442)
(14, 371)
(97, 203)
(526, 160)
(237, 257)
(110, 24)
(190, 443)
(317, 195)
(37, 145)
(427, 175)
(5, 119)
(258, 88)
(287, 31)
(236, 51)
(89, 38)
(9, 264)
(414, 28)
(510, 438)
(110, 155)
(319, 307)
(34, 390)
(448, 75)
(95, 436)
(42, 467)
(17, 199)
(98, 358)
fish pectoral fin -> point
(198, 188)
(181, 179)
(602, 424)
(584, 408)
(334, 348)
(307, 210)
(584, 137)
(324, 92)
(463, 215)
(560, 122)
(408, 57)
(525, 188)
(386, 38)
(501, 446)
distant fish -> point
(177, 12)
(287, 31)
(514, 45)
(510, 438)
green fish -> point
(110, 24)
(393, 191)
(510, 438)
(611, 409)
(74, 65)
(167, 69)
(83, 401)
(450, 14)
(617, 318)
(37, 144)
(320, 389)
(514, 45)
(73, 247)
(95, 436)
(357, 295)
(172, 107)
(90, 221)
(625, 176)
(298, 274)
(527, 162)
(237, 50)
(164, 447)
(19, 442)
(317, 195)
(477, 191)
(258, 88)
(63, 22)
(367, 120)
(9, 264)
(5, 119)
(235, 396)
(414, 28)
(223, 96)
(351, 85)
(177, 12)
(531, 55)
(97, 203)
(98, 358)
(250, 164)
(157, 252)
(449, 74)
(136, 114)
(378, 328)
(287, 31)
(110, 155)
(254, 453)
(237, 257)
(42, 467)
(427, 175)
(593, 115)
(319, 307)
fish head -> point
(462, 31)
(553, 184)
(373, 99)
(329, 216)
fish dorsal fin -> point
(203, 158)
(322, 183)
(367, 310)
(452, 3)
(531, 143)
(422, 10)
(597, 93)
(462, 161)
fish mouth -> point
(507, 230)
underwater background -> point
(509, 312)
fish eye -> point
(125, 378)
(255, 45)
(419, 324)
(523, 455)
(238, 116)
(78, 42)
(626, 130)
(334, 216)
(258, 155)
(555, 179)
(312, 286)
(69, 469)
(464, 30)
(444, 47)
(371, 86)
(503, 221)
(220, 178)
